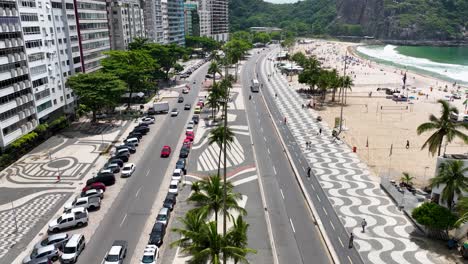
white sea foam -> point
(390, 54)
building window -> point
(56, 5)
(36, 56)
(33, 43)
(38, 70)
(40, 82)
(44, 106)
(29, 17)
(55, 101)
(28, 3)
(31, 30)
(69, 6)
(42, 94)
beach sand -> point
(381, 122)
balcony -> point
(8, 106)
(13, 136)
(16, 87)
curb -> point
(330, 248)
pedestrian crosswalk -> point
(208, 160)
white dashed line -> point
(138, 192)
(331, 223)
(274, 169)
(282, 193)
(323, 208)
(350, 261)
(292, 225)
(268, 151)
(311, 185)
(319, 198)
(341, 242)
(264, 138)
(123, 220)
(147, 173)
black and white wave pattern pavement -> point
(346, 181)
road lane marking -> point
(261, 129)
(331, 223)
(341, 242)
(274, 169)
(147, 173)
(350, 261)
(268, 151)
(292, 225)
(318, 198)
(138, 192)
(264, 138)
(123, 220)
(300, 162)
(323, 208)
(312, 187)
(282, 193)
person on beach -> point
(363, 225)
(351, 240)
(308, 172)
(407, 144)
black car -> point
(123, 156)
(107, 179)
(130, 144)
(130, 149)
(114, 167)
(151, 112)
(181, 165)
(180, 100)
(143, 125)
(170, 201)
(135, 135)
(195, 119)
(143, 130)
(116, 160)
(184, 152)
(157, 234)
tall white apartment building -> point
(93, 29)
(205, 23)
(53, 53)
(176, 22)
(126, 22)
(214, 19)
(17, 107)
(165, 21)
(154, 20)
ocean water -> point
(448, 63)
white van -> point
(255, 87)
(133, 141)
(73, 249)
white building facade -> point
(214, 19)
(176, 22)
(126, 22)
(154, 20)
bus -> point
(255, 87)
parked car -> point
(189, 135)
(185, 91)
(197, 110)
(44, 260)
(76, 210)
(123, 157)
(181, 163)
(117, 253)
(170, 201)
(174, 112)
(157, 234)
(135, 135)
(174, 187)
(132, 140)
(184, 152)
(108, 180)
(57, 240)
(180, 99)
(128, 170)
(147, 120)
(189, 128)
(73, 249)
(50, 252)
(187, 106)
(187, 143)
(95, 185)
(93, 193)
(116, 160)
(150, 255)
(129, 148)
(177, 175)
(166, 151)
(196, 119)
(163, 216)
(141, 129)
(91, 203)
(68, 221)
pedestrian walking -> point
(302, 106)
(307, 144)
(285, 120)
(320, 131)
(276, 95)
(407, 144)
(308, 172)
(351, 240)
(363, 224)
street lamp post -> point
(225, 102)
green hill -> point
(384, 19)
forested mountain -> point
(384, 19)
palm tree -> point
(346, 83)
(208, 247)
(407, 179)
(210, 197)
(213, 69)
(217, 136)
(452, 174)
(237, 236)
(192, 224)
(213, 100)
(444, 128)
(195, 187)
(462, 208)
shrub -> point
(434, 216)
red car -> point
(201, 104)
(189, 135)
(187, 143)
(95, 185)
(166, 151)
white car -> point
(189, 128)
(177, 175)
(191, 123)
(93, 193)
(150, 255)
(147, 120)
(128, 169)
(174, 187)
(174, 112)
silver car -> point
(50, 252)
(59, 240)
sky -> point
(281, 1)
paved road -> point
(296, 237)
(126, 218)
(334, 228)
